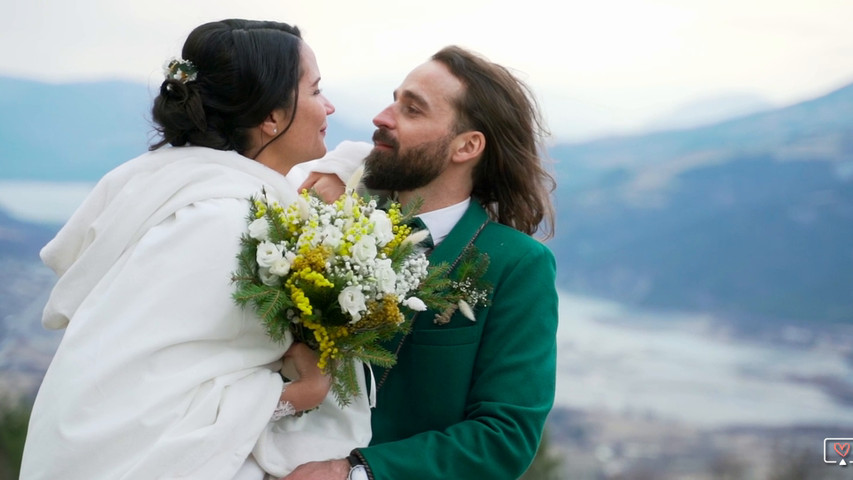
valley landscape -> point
(706, 279)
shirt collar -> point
(440, 222)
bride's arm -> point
(328, 174)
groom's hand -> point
(327, 185)
(328, 470)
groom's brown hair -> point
(510, 178)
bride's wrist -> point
(307, 392)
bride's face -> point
(306, 138)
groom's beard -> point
(400, 172)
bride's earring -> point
(275, 130)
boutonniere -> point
(448, 289)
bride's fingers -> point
(304, 359)
(327, 185)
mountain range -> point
(750, 219)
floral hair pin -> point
(181, 70)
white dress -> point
(159, 374)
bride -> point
(159, 374)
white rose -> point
(415, 304)
(281, 267)
(268, 278)
(268, 254)
(351, 300)
(332, 237)
(364, 250)
(381, 227)
(386, 278)
(259, 229)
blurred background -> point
(704, 158)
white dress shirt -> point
(440, 222)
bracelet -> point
(284, 408)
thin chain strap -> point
(415, 317)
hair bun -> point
(175, 90)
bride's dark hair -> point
(246, 69)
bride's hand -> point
(304, 360)
(327, 185)
(309, 390)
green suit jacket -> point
(469, 399)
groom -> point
(467, 399)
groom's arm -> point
(328, 470)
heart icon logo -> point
(842, 449)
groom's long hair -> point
(510, 179)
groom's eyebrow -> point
(412, 96)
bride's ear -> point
(273, 123)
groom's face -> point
(413, 136)
(389, 168)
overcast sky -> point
(598, 67)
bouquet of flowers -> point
(336, 276)
(343, 277)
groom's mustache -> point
(383, 136)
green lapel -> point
(461, 234)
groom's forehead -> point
(431, 83)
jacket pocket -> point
(446, 336)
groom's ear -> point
(467, 146)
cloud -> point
(613, 63)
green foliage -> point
(411, 209)
(432, 290)
(546, 465)
(473, 265)
(446, 286)
(14, 419)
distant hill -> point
(751, 218)
(22, 240)
(25, 346)
(79, 131)
(70, 131)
